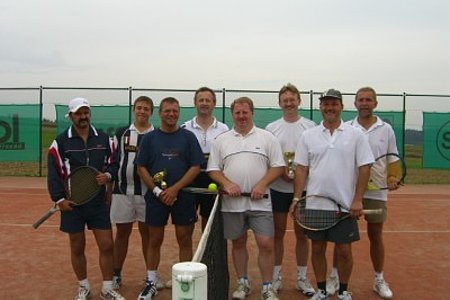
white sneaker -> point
(304, 286)
(332, 285)
(381, 287)
(158, 282)
(111, 295)
(148, 291)
(169, 284)
(117, 282)
(269, 294)
(319, 295)
(83, 293)
(344, 296)
(277, 284)
(242, 290)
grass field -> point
(416, 174)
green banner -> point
(106, 118)
(19, 132)
(436, 140)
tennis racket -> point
(197, 190)
(387, 168)
(81, 187)
(319, 212)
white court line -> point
(288, 230)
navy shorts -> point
(344, 232)
(182, 211)
(94, 215)
(281, 201)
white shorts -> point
(127, 208)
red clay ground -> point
(36, 265)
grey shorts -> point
(344, 232)
(237, 223)
(375, 204)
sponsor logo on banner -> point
(9, 134)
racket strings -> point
(316, 219)
(83, 185)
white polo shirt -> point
(245, 160)
(333, 161)
(382, 140)
(288, 134)
(205, 137)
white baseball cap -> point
(76, 104)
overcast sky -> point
(394, 46)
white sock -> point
(379, 276)
(151, 275)
(301, 271)
(276, 272)
(334, 273)
(85, 283)
(107, 286)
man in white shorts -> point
(247, 159)
(128, 204)
(288, 130)
(382, 140)
(335, 157)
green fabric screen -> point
(19, 132)
(109, 118)
(436, 140)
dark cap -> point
(331, 93)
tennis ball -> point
(212, 187)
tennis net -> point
(212, 251)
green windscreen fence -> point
(19, 132)
(436, 140)
(109, 118)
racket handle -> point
(44, 217)
(376, 211)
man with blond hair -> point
(247, 159)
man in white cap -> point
(333, 145)
(83, 145)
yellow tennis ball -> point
(212, 187)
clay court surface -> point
(35, 264)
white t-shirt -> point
(333, 161)
(382, 140)
(288, 134)
(245, 160)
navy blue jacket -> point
(68, 151)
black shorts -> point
(346, 231)
(203, 202)
(281, 201)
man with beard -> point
(83, 145)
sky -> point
(394, 46)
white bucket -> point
(189, 281)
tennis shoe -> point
(332, 285)
(344, 296)
(242, 290)
(111, 295)
(381, 287)
(304, 286)
(276, 283)
(117, 282)
(83, 293)
(269, 294)
(158, 282)
(319, 295)
(148, 292)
